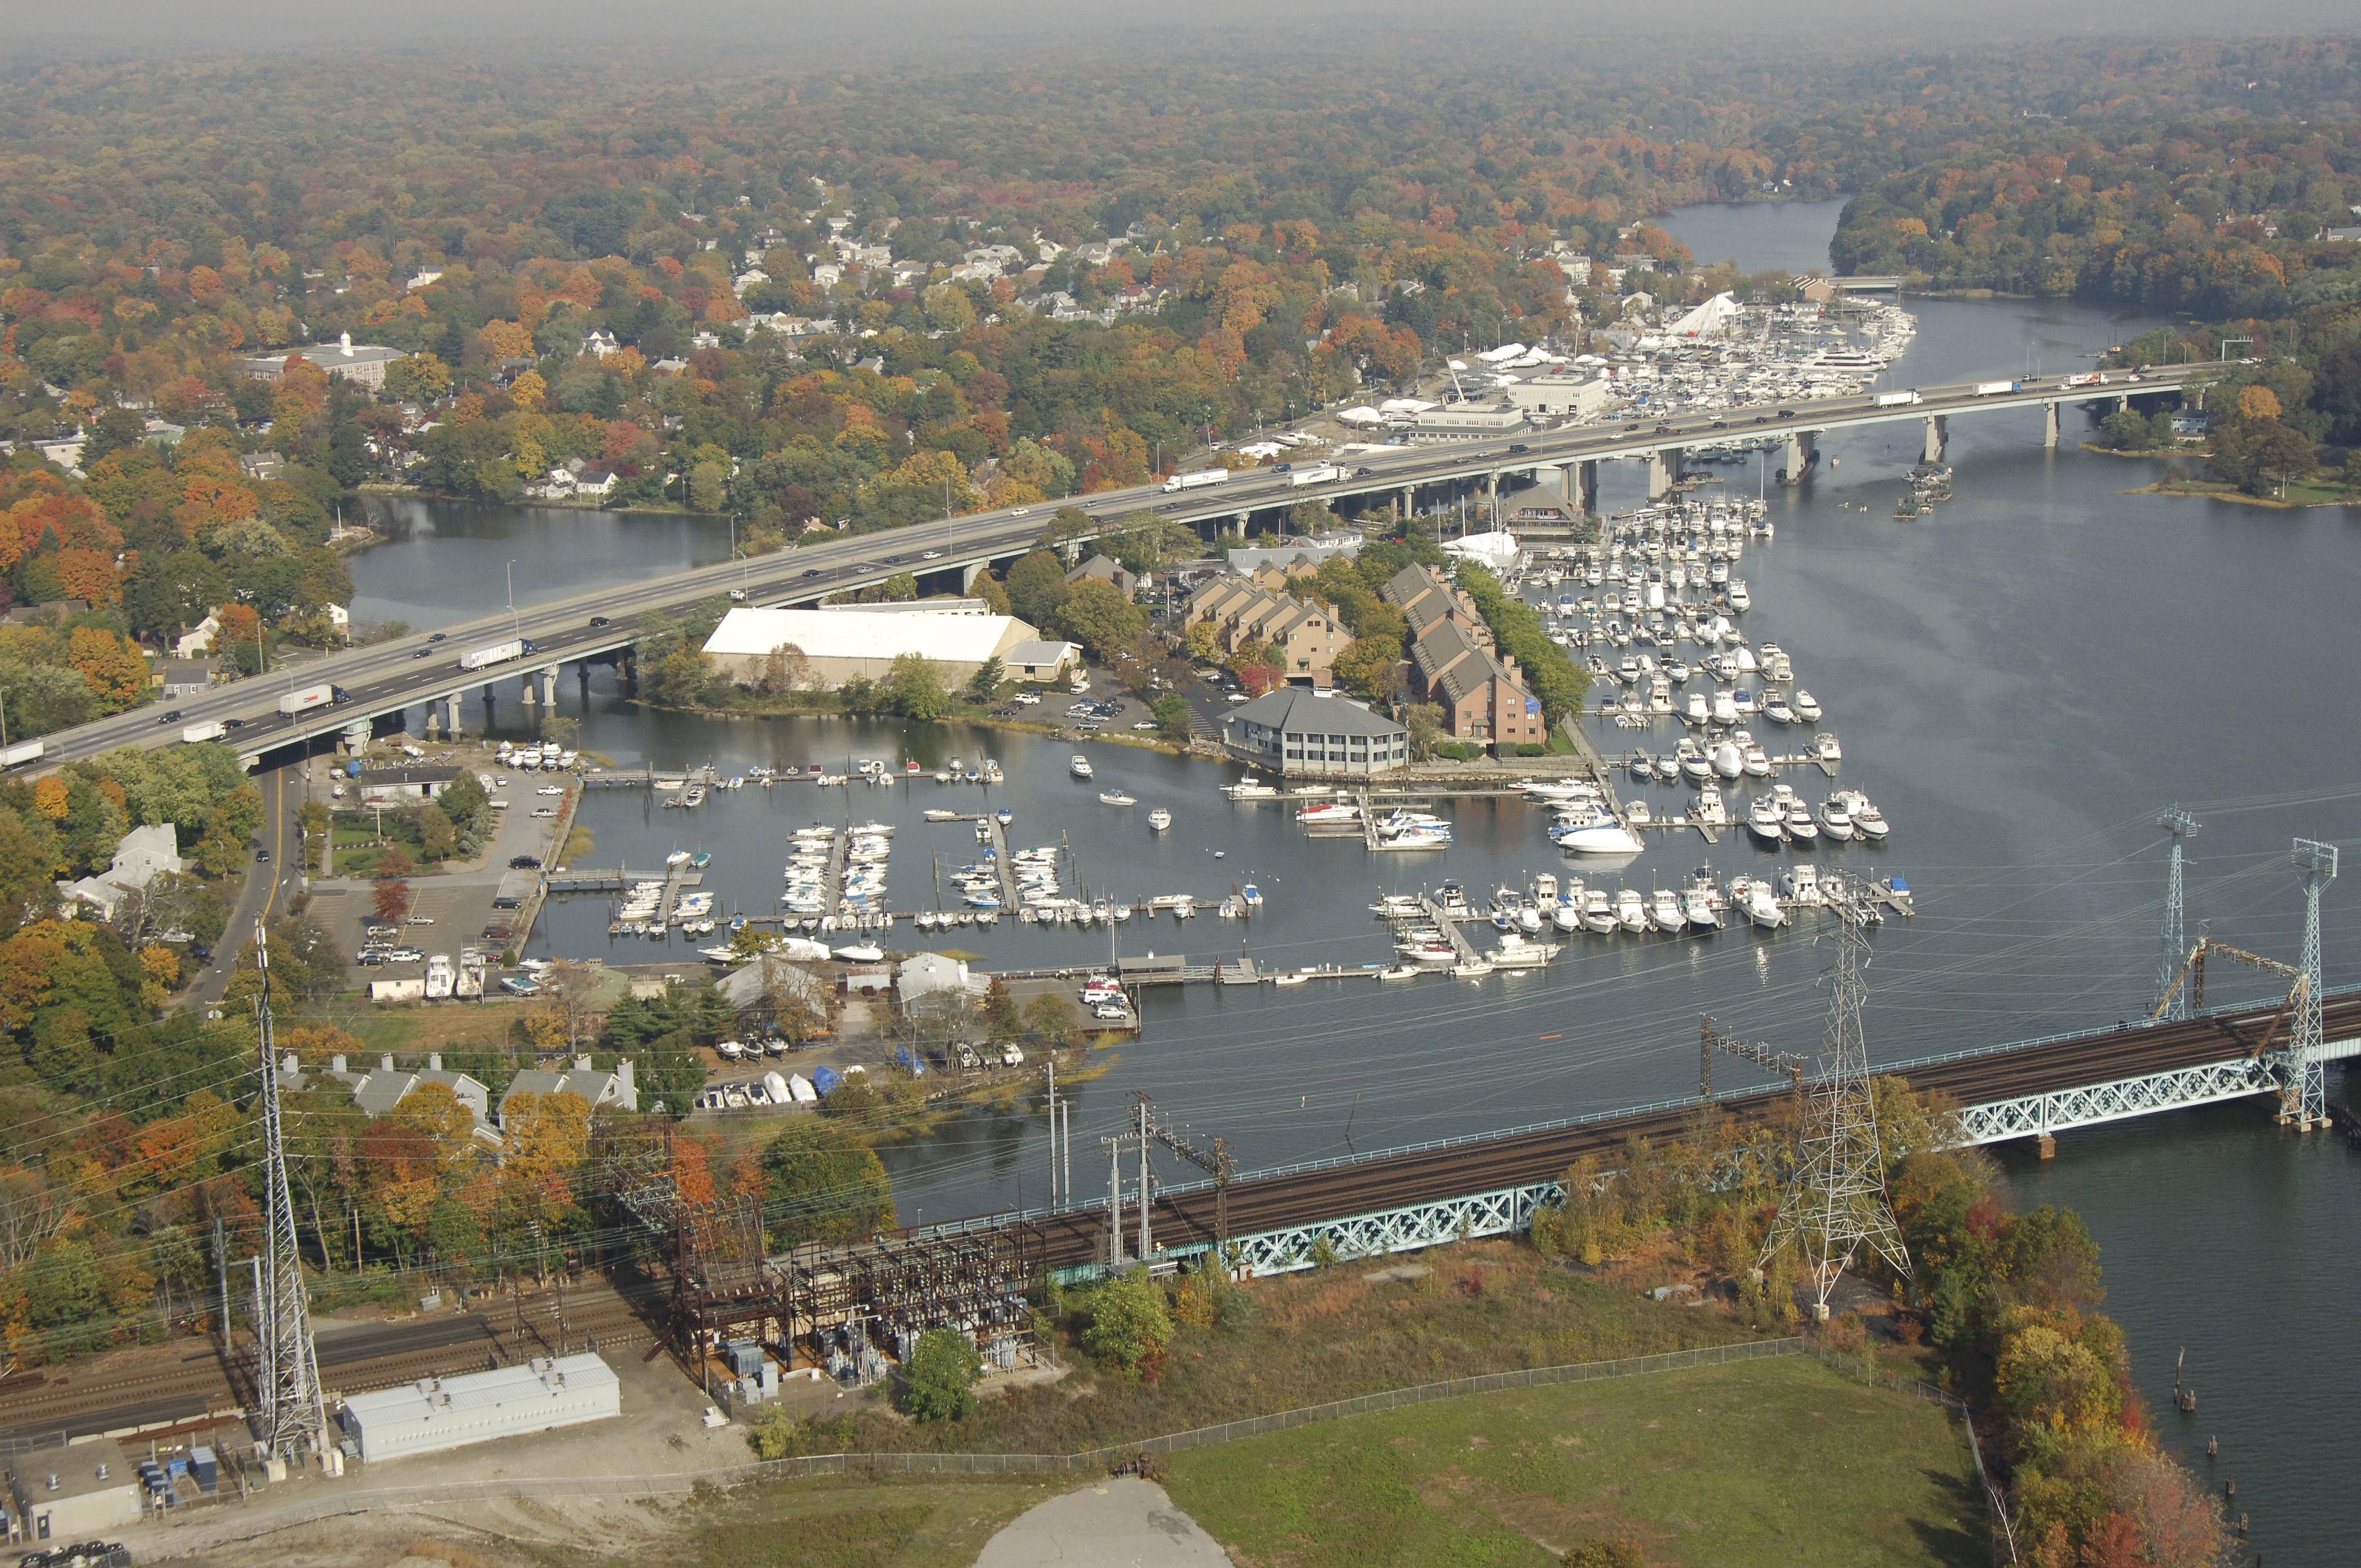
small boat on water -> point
(677, 858)
(1825, 746)
(1117, 797)
(1808, 706)
(1159, 819)
(1801, 828)
(940, 815)
(1080, 766)
(1766, 821)
(1251, 896)
(1251, 788)
(1836, 819)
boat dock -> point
(998, 839)
(676, 878)
(1449, 925)
(592, 879)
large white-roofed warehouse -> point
(841, 645)
(436, 1413)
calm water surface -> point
(2021, 682)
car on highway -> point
(811, 572)
(423, 653)
(171, 717)
(233, 724)
(435, 636)
(1786, 414)
(1721, 425)
(1362, 472)
(931, 556)
(598, 620)
(1021, 511)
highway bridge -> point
(423, 670)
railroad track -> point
(198, 1382)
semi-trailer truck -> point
(318, 696)
(192, 734)
(1992, 389)
(23, 751)
(1895, 399)
(497, 654)
(1196, 479)
(1317, 473)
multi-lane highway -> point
(386, 677)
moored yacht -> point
(1766, 821)
(1801, 828)
(1080, 766)
(1807, 707)
(1836, 819)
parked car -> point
(525, 863)
(1108, 1010)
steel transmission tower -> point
(287, 1366)
(1836, 1199)
(2175, 1001)
(2304, 1095)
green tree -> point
(1096, 615)
(1130, 1326)
(983, 686)
(1054, 1019)
(1172, 715)
(706, 491)
(1036, 587)
(822, 1184)
(437, 834)
(1366, 666)
(914, 688)
(1002, 1021)
(1425, 722)
(938, 1380)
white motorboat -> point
(1630, 911)
(1600, 834)
(1739, 600)
(1665, 912)
(1825, 746)
(1696, 766)
(1868, 822)
(1801, 883)
(1117, 797)
(1836, 819)
(1566, 916)
(1159, 819)
(1801, 828)
(1710, 808)
(940, 815)
(1808, 706)
(1725, 708)
(1762, 908)
(1080, 766)
(1332, 811)
(1637, 814)
(1643, 767)
(1698, 711)
(1251, 788)
(1757, 760)
(1777, 711)
(1696, 908)
(1598, 912)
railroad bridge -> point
(1490, 1184)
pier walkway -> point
(1449, 925)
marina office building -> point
(1299, 732)
(841, 645)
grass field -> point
(1755, 1463)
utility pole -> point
(287, 1367)
(1053, 1126)
(2303, 1097)
(1146, 1249)
(2179, 825)
(1836, 1199)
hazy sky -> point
(793, 32)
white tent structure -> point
(1496, 552)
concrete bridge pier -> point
(2049, 424)
(548, 687)
(1409, 503)
(1664, 472)
(356, 737)
(1585, 485)
(1803, 451)
(451, 727)
(968, 575)
(1939, 435)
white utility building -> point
(436, 1413)
(841, 645)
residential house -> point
(377, 1090)
(49, 612)
(596, 1086)
(598, 343)
(1105, 569)
(262, 465)
(1303, 637)
(755, 989)
(1425, 600)
(1317, 733)
(198, 638)
(144, 854)
(183, 677)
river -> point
(2021, 681)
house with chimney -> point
(1455, 665)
